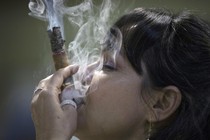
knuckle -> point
(42, 81)
(41, 84)
(48, 94)
(44, 94)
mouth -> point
(80, 101)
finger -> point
(67, 98)
(52, 83)
(57, 79)
(68, 103)
(71, 115)
(41, 86)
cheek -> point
(115, 104)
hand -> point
(53, 122)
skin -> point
(50, 120)
(114, 108)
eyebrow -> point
(109, 49)
(108, 45)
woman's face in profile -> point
(113, 104)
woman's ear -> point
(165, 103)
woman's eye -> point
(107, 67)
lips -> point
(79, 101)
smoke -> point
(93, 22)
(53, 12)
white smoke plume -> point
(93, 23)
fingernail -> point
(75, 68)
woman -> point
(157, 87)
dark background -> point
(25, 57)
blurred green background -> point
(25, 57)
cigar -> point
(59, 54)
(60, 57)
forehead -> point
(113, 42)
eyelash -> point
(107, 67)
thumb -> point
(69, 108)
(70, 119)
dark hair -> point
(175, 50)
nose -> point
(88, 76)
(87, 80)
